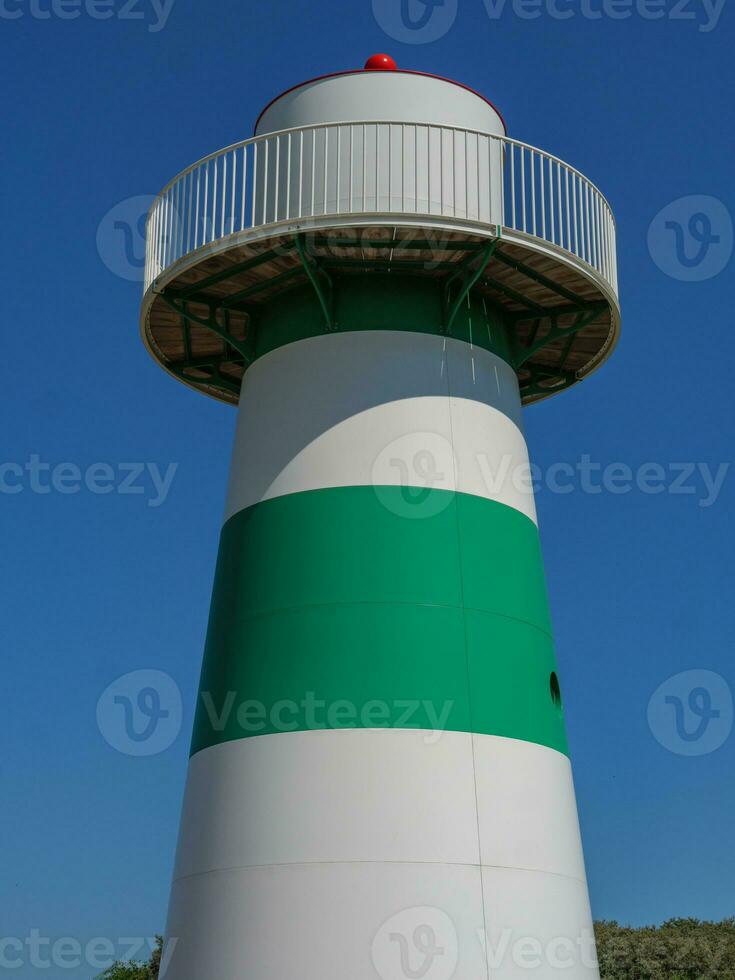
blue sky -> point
(99, 584)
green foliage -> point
(680, 949)
(136, 971)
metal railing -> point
(401, 170)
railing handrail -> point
(506, 182)
(378, 122)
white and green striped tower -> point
(379, 783)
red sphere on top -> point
(380, 62)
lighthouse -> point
(380, 280)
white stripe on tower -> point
(380, 795)
(321, 413)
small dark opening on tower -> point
(555, 690)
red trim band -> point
(360, 71)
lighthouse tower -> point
(379, 783)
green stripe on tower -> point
(333, 609)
